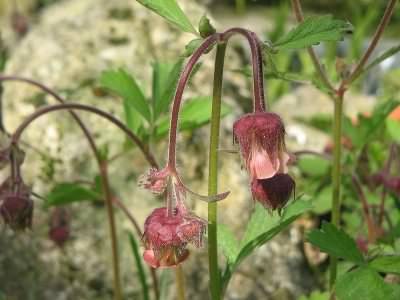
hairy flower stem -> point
(180, 283)
(336, 175)
(215, 289)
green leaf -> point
(165, 78)
(170, 10)
(65, 193)
(335, 242)
(261, 228)
(139, 266)
(124, 85)
(228, 243)
(191, 47)
(386, 264)
(313, 166)
(194, 113)
(316, 295)
(393, 128)
(363, 284)
(313, 31)
(322, 202)
(367, 127)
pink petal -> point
(261, 166)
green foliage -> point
(314, 166)
(367, 127)
(124, 85)
(364, 284)
(313, 31)
(388, 53)
(335, 242)
(66, 193)
(386, 264)
(139, 266)
(195, 112)
(261, 227)
(191, 47)
(171, 11)
(316, 296)
(165, 78)
(393, 128)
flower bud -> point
(59, 226)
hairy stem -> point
(336, 175)
(180, 283)
(317, 64)
(215, 289)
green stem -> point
(180, 283)
(213, 173)
(240, 6)
(336, 174)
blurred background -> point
(68, 44)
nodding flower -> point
(166, 236)
(261, 138)
(16, 206)
(59, 231)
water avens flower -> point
(59, 231)
(166, 236)
(155, 180)
(261, 139)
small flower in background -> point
(166, 236)
(261, 137)
(16, 206)
(59, 231)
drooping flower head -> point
(59, 231)
(155, 180)
(16, 206)
(166, 236)
(261, 139)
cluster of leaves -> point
(362, 279)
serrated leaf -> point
(335, 242)
(124, 85)
(313, 31)
(65, 193)
(170, 10)
(139, 266)
(227, 242)
(165, 78)
(363, 284)
(386, 264)
(194, 113)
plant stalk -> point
(215, 289)
(336, 175)
(180, 283)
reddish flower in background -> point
(166, 236)
(59, 231)
(261, 139)
(16, 206)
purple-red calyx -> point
(261, 139)
(166, 236)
